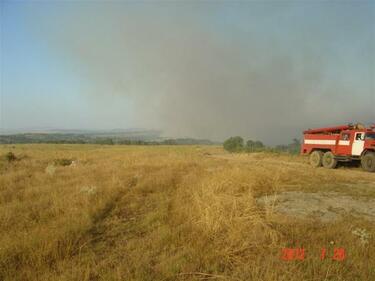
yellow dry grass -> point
(168, 213)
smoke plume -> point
(217, 70)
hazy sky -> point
(261, 69)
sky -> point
(264, 70)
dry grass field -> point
(178, 213)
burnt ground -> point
(322, 206)
(350, 193)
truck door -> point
(358, 143)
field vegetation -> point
(98, 212)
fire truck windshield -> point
(370, 136)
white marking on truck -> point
(322, 142)
(344, 142)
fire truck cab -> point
(328, 146)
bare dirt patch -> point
(322, 206)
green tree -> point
(293, 148)
(252, 146)
(234, 144)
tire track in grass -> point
(126, 235)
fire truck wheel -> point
(368, 162)
(316, 158)
(329, 160)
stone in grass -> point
(89, 189)
(50, 169)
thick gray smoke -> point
(213, 71)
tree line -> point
(87, 139)
(237, 144)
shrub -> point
(10, 156)
(234, 144)
(63, 162)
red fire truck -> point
(328, 146)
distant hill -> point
(116, 136)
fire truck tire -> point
(368, 162)
(329, 160)
(316, 158)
